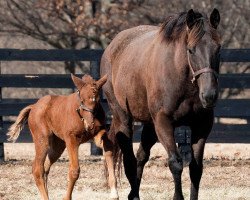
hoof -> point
(114, 194)
(131, 196)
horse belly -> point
(140, 113)
(133, 100)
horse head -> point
(203, 48)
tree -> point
(79, 24)
(64, 23)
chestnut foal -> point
(57, 122)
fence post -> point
(95, 73)
(1, 127)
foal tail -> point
(15, 129)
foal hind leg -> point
(56, 149)
(104, 142)
(41, 148)
(148, 139)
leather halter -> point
(84, 107)
(196, 74)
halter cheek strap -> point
(84, 107)
(196, 74)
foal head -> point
(88, 96)
(203, 49)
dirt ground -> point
(224, 179)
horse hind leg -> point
(129, 162)
(55, 150)
(121, 127)
(148, 139)
(123, 134)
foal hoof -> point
(114, 195)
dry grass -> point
(224, 180)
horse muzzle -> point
(209, 98)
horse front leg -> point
(196, 167)
(165, 132)
(74, 170)
(198, 140)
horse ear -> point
(77, 81)
(190, 18)
(102, 81)
(215, 18)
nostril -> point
(210, 98)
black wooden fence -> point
(226, 108)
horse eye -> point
(191, 51)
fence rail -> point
(226, 108)
(227, 55)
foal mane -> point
(175, 28)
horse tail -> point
(117, 153)
(15, 129)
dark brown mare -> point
(57, 122)
(165, 77)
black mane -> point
(175, 25)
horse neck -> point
(179, 67)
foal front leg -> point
(74, 169)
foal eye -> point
(92, 99)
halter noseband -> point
(196, 74)
(84, 107)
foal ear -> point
(77, 81)
(101, 81)
(215, 18)
(190, 18)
